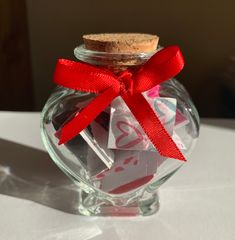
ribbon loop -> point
(84, 77)
(162, 66)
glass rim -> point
(91, 56)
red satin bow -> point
(83, 77)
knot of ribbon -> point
(162, 66)
(126, 82)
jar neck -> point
(116, 62)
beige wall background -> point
(205, 31)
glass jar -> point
(117, 181)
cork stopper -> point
(121, 42)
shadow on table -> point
(222, 123)
(30, 174)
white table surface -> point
(37, 200)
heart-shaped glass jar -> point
(113, 163)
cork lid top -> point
(121, 42)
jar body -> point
(121, 180)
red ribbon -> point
(162, 66)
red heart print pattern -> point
(125, 134)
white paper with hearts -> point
(129, 167)
(125, 132)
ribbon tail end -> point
(59, 134)
(182, 159)
(179, 156)
(61, 142)
(62, 139)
